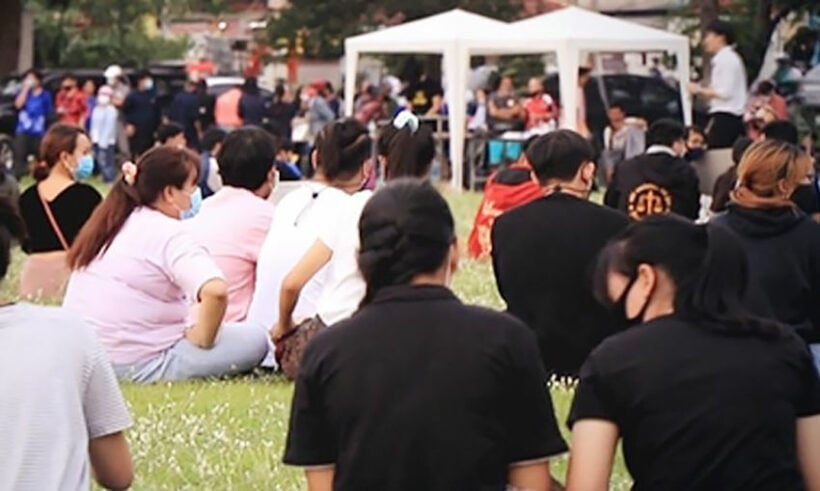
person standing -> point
(141, 114)
(659, 181)
(104, 134)
(582, 125)
(252, 105)
(623, 140)
(543, 251)
(34, 105)
(319, 112)
(727, 91)
(542, 112)
(226, 110)
(90, 92)
(281, 113)
(185, 112)
(72, 107)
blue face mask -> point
(196, 204)
(85, 167)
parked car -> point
(646, 97)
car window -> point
(656, 94)
(10, 86)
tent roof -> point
(584, 27)
(432, 34)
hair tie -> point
(129, 173)
(406, 118)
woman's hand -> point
(280, 330)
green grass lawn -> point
(221, 435)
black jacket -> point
(652, 184)
(783, 246)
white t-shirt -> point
(297, 222)
(57, 392)
(729, 81)
(344, 287)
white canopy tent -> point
(450, 34)
(457, 35)
(573, 31)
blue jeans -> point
(239, 348)
(105, 162)
(815, 352)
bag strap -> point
(54, 226)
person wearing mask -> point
(727, 91)
(226, 110)
(411, 330)
(210, 180)
(104, 134)
(67, 414)
(542, 112)
(141, 114)
(71, 105)
(695, 144)
(185, 112)
(783, 243)
(116, 80)
(252, 105)
(34, 106)
(725, 183)
(171, 135)
(281, 113)
(623, 140)
(748, 394)
(248, 176)
(658, 182)
(542, 252)
(308, 258)
(136, 253)
(319, 112)
(55, 209)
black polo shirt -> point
(701, 410)
(418, 391)
(543, 256)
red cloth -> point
(498, 199)
(72, 108)
(540, 109)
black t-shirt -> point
(543, 256)
(421, 94)
(701, 410)
(71, 209)
(418, 391)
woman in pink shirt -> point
(246, 166)
(135, 271)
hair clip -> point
(406, 118)
(129, 172)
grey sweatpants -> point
(239, 347)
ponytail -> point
(342, 149)
(406, 229)
(141, 185)
(409, 150)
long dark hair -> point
(405, 229)
(707, 264)
(12, 229)
(60, 138)
(342, 148)
(157, 169)
(408, 153)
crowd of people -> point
(697, 345)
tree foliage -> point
(318, 28)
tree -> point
(323, 25)
(10, 32)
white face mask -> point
(147, 84)
(104, 100)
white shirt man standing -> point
(727, 92)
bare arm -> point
(21, 98)
(111, 461)
(320, 479)
(593, 450)
(314, 260)
(213, 298)
(808, 451)
(532, 477)
(503, 113)
(435, 106)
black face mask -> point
(805, 197)
(619, 307)
(695, 154)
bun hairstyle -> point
(59, 138)
(408, 147)
(707, 264)
(12, 229)
(141, 185)
(405, 229)
(342, 148)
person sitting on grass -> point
(171, 135)
(406, 148)
(416, 390)
(136, 270)
(704, 395)
(62, 410)
(246, 165)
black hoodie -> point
(783, 246)
(654, 183)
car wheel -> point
(6, 154)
